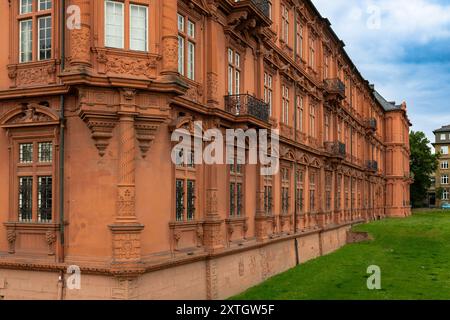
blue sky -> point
(403, 47)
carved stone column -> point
(169, 38)
(126, 229)
(80, 35)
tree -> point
(423, 164)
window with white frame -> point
(444, 164)
(138, 27)
(268, 90)
(299, 40)
(285, 104)
(234, 72)
(300, 113)
(444, 150)
(45, 4)
(26, 41)
(26, 6)
(186, 47)
(312, 121)
(35, 30)
(444, 179)
(445, 194)
(285, 23)
(443, 136)
(114, 24)
(312, 53)
(45, 38)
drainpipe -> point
(62, 132)
(297, 259)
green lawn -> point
(413, 254)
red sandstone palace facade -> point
(88, 103)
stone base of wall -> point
(211, 277)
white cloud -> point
(388, 56)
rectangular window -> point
(26, 6)
(234, 72)
(232, 199)
(179, 201)
(312, 121)
(236, 182)
(114, 24)
(445, 194)
(26, 41)
(299, 47)
(45, 38)
(44, 199)
(312, 53)
(327, 127)
(25, 198)
(45, 4)
(45, 151)
(186, 47)
(443, 136)
(285, 104)
(300, 113)
(285, 23)
(138, 27)
(181, 55)
(444, 179)
(191, 61)
(268, 90)
(444, 150)
(268, 200)
(190, 200)
(444, 165)
(26, 153)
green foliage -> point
(423, 164)
(412, 253)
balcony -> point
(262, 5)
(247, 105)
(334, 89)
(336, 148)
(371, 124)
(372, 165)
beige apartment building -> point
(440, 191)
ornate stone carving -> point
(80, 46)
(50, 237)
(101, 129)
(126, 242)
(127, 65)
(126, 202)
(145, 133)
(211, 85)
(170, 53)
(11, 237)
(199, 233)
(37, 74)
(30, 114)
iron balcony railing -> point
(336, 148)
(335, 86)
(372, 165)
(246, 104)
(372, 124)
(263, 5)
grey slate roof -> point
(384, 103)
(443, 129)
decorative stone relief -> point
(101, 129)
(11, 237)
(50, 237)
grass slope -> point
(413, 254)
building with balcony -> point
(90, 95)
